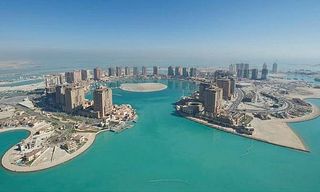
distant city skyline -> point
(193, 33)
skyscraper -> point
(118, 71)
(264, 72)
(60, 95)
(102, 98)
(69, 77)
(264, 66)
(77, 76)
(97, 74)
(254, 74)
(62, 78)
(225, 85)
(193, 72)
(144, 71)
(73, 77)
(84, 74)
(202, 88)
(246, 71)
(170, 71)
(178, 71)
(212, 101)
(185, 72)
(232, 69)
(111, 72)
(275, 68)
(155, 70)
(240, 69)
(52, 80)
(127, 71)
(135, 71)
(74, 98)
(232, 86)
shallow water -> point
(164, 152)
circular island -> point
(143, 87)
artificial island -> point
(63, 123)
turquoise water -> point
(164, 152)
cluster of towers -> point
(67, 92)
(179, 71)
(118, 71)
(212, 94)
(242, 70)
(71, 98)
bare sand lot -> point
(142, 87)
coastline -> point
(287, 138)
(5, 160)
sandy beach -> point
(143, 87)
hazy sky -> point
(160, 31)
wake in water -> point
(168, 180)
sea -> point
(165, 152)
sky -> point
(148, 32)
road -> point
(287, 105)
(240, 95)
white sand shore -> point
(143, 87)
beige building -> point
(102, 98)
(74, 98)
(97, 74)
(225, 85)
(77, 76)
(212, 101)
(73, 77)
(52, 80)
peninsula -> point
(254, 108)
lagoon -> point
(165, 152)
